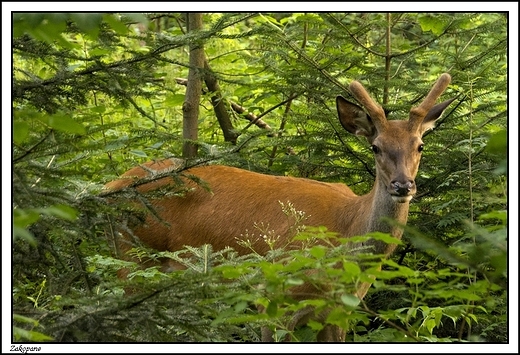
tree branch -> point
(230, 135)
(238, 109)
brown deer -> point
(237, 198)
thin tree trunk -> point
(190, 108)
(388, 59)
(219, 105)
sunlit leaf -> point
(350, 300)
(432, 23)
(64, 123)
(20, 132)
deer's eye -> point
(375, 149)
(421, 148)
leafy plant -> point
(95, 94)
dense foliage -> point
(95, 94)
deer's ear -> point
(354, 119)
(433, 115)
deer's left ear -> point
(432, 115)
(354, 119)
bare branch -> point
(251, 117)
(238, 109)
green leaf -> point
(432, 23)
(343, 317)
(272, 309)
(317, 251)
(174, 100)
(351, 268)
(240, 306)
(139, 153)
(500, 215)
(291, 281)
(350, 300)
(307, 17)
(62, 211)
(50, 29)
(430, 324)
(229, 272)
(29, 335)
(24, 319)
(136, 17)
(115, 24)
(99, 108)
(64, 123)
(20, 132)
(88, 23)
(384, 237)
(24, 218)
(19, 232)
(498, 143)
(316, 326)
(156, 145)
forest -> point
(95, 94)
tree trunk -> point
(190, 108)
(220, 106)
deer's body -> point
(332, 205)
(239, 201)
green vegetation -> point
(96, 94)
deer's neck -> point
(382, 207)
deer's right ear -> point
(354, 119)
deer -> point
(236, 198)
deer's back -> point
(236, 205)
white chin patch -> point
(402, 199)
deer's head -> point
(397, 144)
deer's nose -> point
(402, 189)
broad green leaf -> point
(432, 23)
(29, 335)
(64, 123)
(62, 211)
(430, 324)
(501, 215)
(498, 143)
(291, 281)
(315, 325)
(136, 17)
(308, 17)
(24, 319)
(425, 310)
(88, 22)
(174, 100)
(23, 22)
(139, 153)
(19, 232)
(240, 306)
(115, 24)
(351, 268)
(156, 145)
(229, 272)
(24, 218)
(317, 251)
(98, 52)
(272, 309)
(384, 237)
(50, 29)
(20, 132)
(98, 109)
(350, 300)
